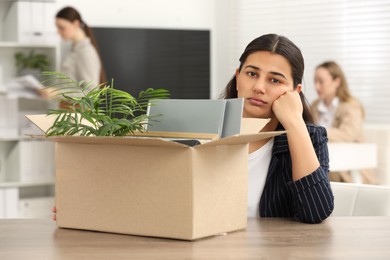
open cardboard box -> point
(151, 186)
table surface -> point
(335, 238)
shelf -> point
(24, 184)
(4, 44)
(10, 138)
(10, 1)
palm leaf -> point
(102, 111)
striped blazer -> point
(309, 199)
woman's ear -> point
(76, 23)
(299, 88)
(337, 81)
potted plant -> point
(102, 111)
(31, 63)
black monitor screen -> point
(177, 60)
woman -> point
(340, 113)
(288, 174)
(335, 108)
(83, 62)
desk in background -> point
(352, 157)
(335, 238)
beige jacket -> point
(348, 123)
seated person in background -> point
(339, 112)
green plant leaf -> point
(100, 111)
(31, 61)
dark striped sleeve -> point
(312, 195)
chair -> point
(352, 199)
(380, 134)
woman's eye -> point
(276, 81)
(252, 74)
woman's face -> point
(263, 78)
(325, 84)
(66, 29)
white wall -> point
(225, 31)
(188, 14)
(169, 14)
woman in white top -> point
(83, 62)
(288, 174)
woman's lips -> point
(257, 102)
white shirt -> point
(258, 164)
(327, 114)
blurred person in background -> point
(339, 112)
(83, 61)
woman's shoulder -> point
(86, 49)
(313, 128)
(84, 45)
(315, 102)
(317, 133)
(350, 103)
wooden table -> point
(335, 238)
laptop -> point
(221, 117)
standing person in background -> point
(83, 62)
(339, 112)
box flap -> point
(45, 121)
(42, 121)
(253, 125)
(241, 139)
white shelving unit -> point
(26, 200)
(26, 164)
(7, 57)
(26, 177)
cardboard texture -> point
(151, 186)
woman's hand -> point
(288, 108)
(48, 93)
(54, 210)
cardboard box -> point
(152, 186)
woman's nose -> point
(259, 86)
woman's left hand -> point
(288, 108)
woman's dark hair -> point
(70, 14)
(279, 45)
